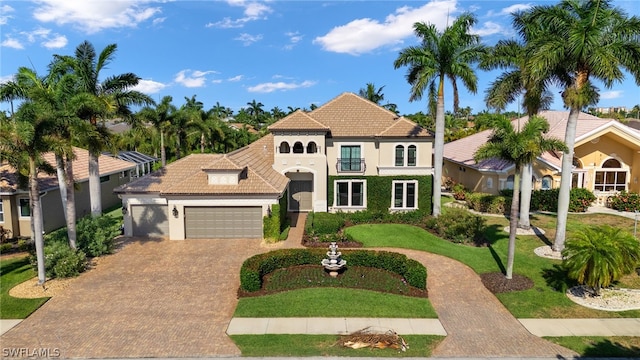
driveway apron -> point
(152, 299)
(477, 323)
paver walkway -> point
(477, 324)
(151, 299)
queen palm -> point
(588, 40)
(161, 117)
(441, 55)
(23, 141)
(105, 99)
(599, 255)
(520, 147)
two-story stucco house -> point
(346, 155)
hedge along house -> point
(346, 155)
(15, 210)
(606, 159)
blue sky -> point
(279, 53)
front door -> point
(300, 195)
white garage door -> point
(150, 220)
(223, 222)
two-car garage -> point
(200, 222)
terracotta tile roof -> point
(186, 176)
(298, 120)
(461, 151)
(404, 127)
(108, 165)
(350, 115)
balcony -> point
(351, 165)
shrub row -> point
(487, 203)
(458, 226)
(625, 201)
(256, 267)
(547, 200)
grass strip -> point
(597, 346)
(13, 272)
(327, 345)
(334, 302)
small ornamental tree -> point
(599, 255)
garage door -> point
(150, 220)
(223, 222)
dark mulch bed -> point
(496, 282)
(355, 277)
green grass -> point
(327, 345)
(13, 272)
(545, 300)
(334, 302)
(595, 346)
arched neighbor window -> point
(399, 155)
(284, 147)
(547, 183)
(298, 148)
(509, 184)
(612, 177)
(312, 148)
(411, 155)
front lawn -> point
(545, 300)
(14, 271)
(597, 346)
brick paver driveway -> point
(150, 299)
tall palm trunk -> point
(513, 224)
(565, 181)
(36, 219)
(64, 170)
(438, 149)
(94, 185)
(525, 197)
(163, 151)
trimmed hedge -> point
(487, 203)
(273, 224)
(625, 201)
(547, 200)
(256, 267)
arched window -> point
(312, 148)
(509, 184)
(612, 177)
(547, 183)
(298, 148)
(399, 155)
(411, 155)
(284, 147)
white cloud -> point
(365, 35)
(515, 8)
(605, 95)
(57, 42)
(4, 11)
(490, 28)
(95, 15)
(252, 11)
(235, 78)
(248, 39)
(6, 78)
(282, 86)
(294, 38)
(192, 79)
(46, 38)
(12, 43)
(149, 86)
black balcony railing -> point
(351, 165)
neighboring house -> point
(606, 158)
(15, 210)
(240, 126)
(329, 159)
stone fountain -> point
(333, 263)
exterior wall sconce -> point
(124, 209)
(174, 211)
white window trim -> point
(550, 182)
(489, 183)
(350, 181)
(360, 144)
(623, 168)
(405, 157)
(404, 194)
(20, 212)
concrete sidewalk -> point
(340, 326)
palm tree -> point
(107, 99)
(511, 56)
(185, 121)
(597, 256)
(520, 147)
(161, 117)
(22, 143)
(372, 94)
(448, 54)
(588, 40)
(256, 111)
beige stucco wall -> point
(368, 152)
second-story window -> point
(298, 148)
(411, 155)
(350, 158)
(399, 155)
(284, 147)
(312, 148)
